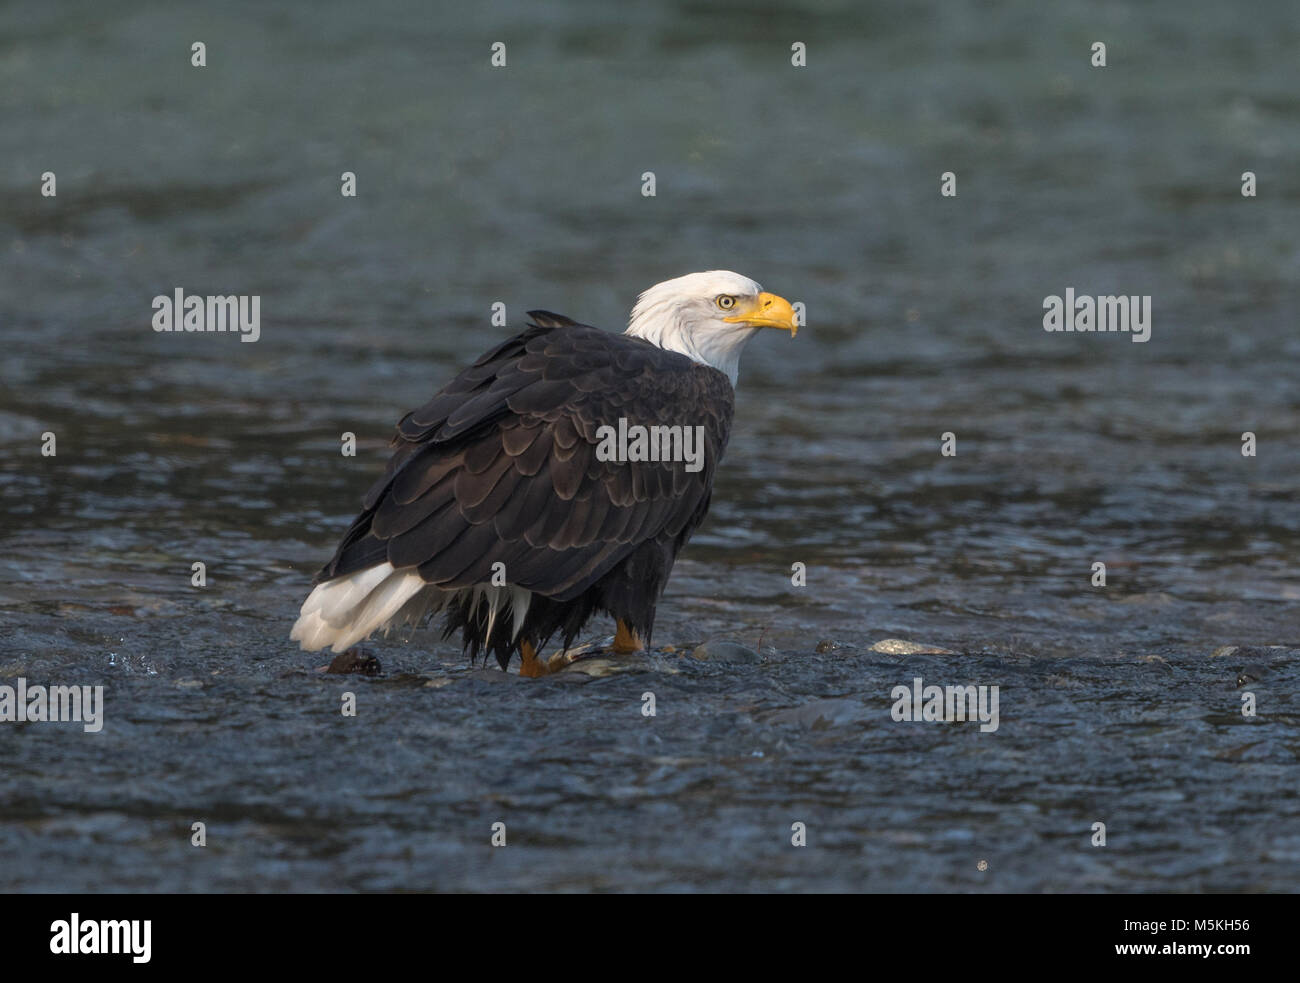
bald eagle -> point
(508, 503)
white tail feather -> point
(341, 612)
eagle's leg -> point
(627, 641)
(530, 664)
(533, 665)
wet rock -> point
(1256, 652)
(827, 645)
(1155, 662)
(725, 652)
(901, 646)
(1251, 673)
(819, 714)
(355, 662)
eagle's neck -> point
(669, 327)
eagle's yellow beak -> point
(768, 311)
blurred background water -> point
(523, 185)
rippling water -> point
(522, 186)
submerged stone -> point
(732, 652)
(355, 662)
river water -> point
(522, 185)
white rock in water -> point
(901, 646)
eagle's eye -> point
(726, 302)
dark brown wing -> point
(501, 464)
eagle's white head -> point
(709, 316)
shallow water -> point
(924, 316)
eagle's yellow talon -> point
(626, 641)
(532, 665)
